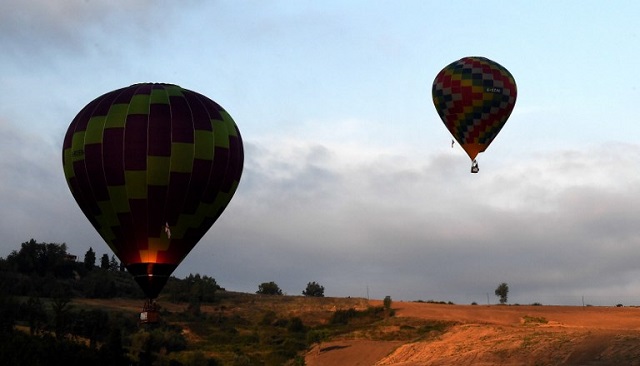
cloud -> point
(308, 212)
(349, 179)
(412, 225)
(35, 200)
(34, 27)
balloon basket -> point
(474, 167)
(150, 313)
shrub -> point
(269, 288)
(534, 320)
(387, 302)
(314, 289)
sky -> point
(349, 178)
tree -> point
(387, 303)
(9, 309)
(502, 291)
(314, 290)
(60, 304)
(34, 311)
(112, 350)
(99, 284)
(269, 288)
(113, 263)
(192, 288)
(90, 259)
(92, 324)
(40, 258)
(104, 262)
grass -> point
(533, 320)
(278, 329)
(268, 330)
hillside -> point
(427, 334)
(499, 335)
(240, 328)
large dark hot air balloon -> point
(152, 166)
(474, 97)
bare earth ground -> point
(499, 335)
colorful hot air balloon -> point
(474, 97)
(152, 166)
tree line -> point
(38, 282)
(313, 289)
(39, 324)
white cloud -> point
(314, 212)
(36, 202)
(33, 28)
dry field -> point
(499, 335)
(477, 335)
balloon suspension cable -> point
(474, 166)
(150, 312)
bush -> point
(269, 288)
(387, 302)
(314, 289)
(98, 284)
(296, 325)
(318, 335)
(345, 316)
(193, 289)
(534, 320)
(437, 326)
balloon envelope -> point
(152, 166)
(474, 97)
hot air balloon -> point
(474, 97)
(152, 166)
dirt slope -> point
(350, 352)
(500, 335)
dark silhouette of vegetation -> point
(104, 261)
(39, 269)
(24, 349)
(314, 289)
(192, 288)
(502, 291)
(90, 259)
(269, 288)
(61, 307)
(34, 311)
(387, 303)
(347, 316)
(441, 302)
(38, 283)
(47, 317)
(41, 259)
